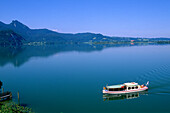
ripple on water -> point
(159, 80)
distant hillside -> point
(10, 38)
(45, 35)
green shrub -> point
(14, 108)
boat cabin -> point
(122, 87)
(131, 85)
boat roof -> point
(125, 84)
(115, 86)
(131, 84)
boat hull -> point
(125, 91)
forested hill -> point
(10, 38)
(45, 35)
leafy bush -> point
(14, 108)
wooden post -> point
(2, 90)
(10, 95)
(18, 98)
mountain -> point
(10, 38)
(29, 34)
(45, 35)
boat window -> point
(136, 87)
(115, 89)
(121, 89)
(111, 89)
(132, 87)
(129, 87)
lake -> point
(70, 78)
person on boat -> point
(142, 85)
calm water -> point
(69, 79)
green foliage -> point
(14, 108)
(163, 42)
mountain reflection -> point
(19, 55)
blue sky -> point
(136, 18)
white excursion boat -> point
(129, 87)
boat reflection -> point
(0, 84)
(109, 97)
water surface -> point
(69, 79)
